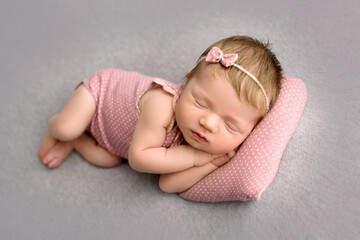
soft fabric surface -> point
(248, 174)
(47, 47)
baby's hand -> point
(219, 161)
(202, 158)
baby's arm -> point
(146, 153)
(183, 180)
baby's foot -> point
(47, 143)
(57, 155)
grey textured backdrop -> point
(47, 47)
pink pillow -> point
(247, 175)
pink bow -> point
(216, 55)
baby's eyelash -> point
(199, 103)
(231, 127)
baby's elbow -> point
(134, 160)
(132, 164)
(164, 185)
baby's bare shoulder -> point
(157, 104)
(155, 96)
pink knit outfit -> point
(117, 94)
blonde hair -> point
(257, 58)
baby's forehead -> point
(222, 94)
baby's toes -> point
(57, 155)
(42, 155)
(54, 163)
(48, 159)
(46, 145)
(51, 160)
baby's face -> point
(211, 116)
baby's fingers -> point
(219, 161)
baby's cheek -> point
(226, 145)
(238, 140)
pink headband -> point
(215, 55)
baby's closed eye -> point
(231, 126)
(200, 102)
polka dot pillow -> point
(247, 175)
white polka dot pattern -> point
(254, 166)
(117, 93)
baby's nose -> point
(210, 122)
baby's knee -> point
(61, 129)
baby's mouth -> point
(198, 137)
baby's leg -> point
(66, 126)
(75, 117)
(94, 153)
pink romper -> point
(117, 94)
